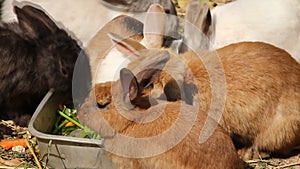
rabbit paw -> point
(251, 153)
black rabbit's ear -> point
(34, 22)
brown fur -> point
(217, 152)
(266, 81)
(263, 96)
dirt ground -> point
(10, 159)
(14, 159)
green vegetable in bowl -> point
(68, 122)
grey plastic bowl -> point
(63, 151)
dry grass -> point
(10, 158)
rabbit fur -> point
(106, 61)
(188, 153)
(85, 18)
(262, 86)
(276, 22)
(36, 55)
(282, 144)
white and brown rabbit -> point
(36, 56)
(106, 61)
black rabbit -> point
(36, 56)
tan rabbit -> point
(115, 121)
(262, 92)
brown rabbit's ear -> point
(126, 46)
(148, 66)
(34, 22)
(134, 87)
(153, 62)
(155, 26)
(129, 84)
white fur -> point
(109, 69)
(81, 17)
(114, 61)
(272, 21)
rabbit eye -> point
(167, 11)
(64, 72)
(63, 69)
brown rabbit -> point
(262, 92)
(217, 152)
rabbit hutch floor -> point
(28, 156)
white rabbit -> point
(85, 18)
(272, 21)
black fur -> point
(35, 56)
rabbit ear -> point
(204, 20)
(198, 27)
(133, 86)
(126, 46)
(151, 66)
(155, 26)
(199, 15)
(34, 22)
(129, 84)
